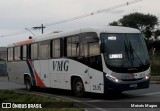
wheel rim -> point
(28, 84)
(79, 89)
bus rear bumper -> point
(125, 85)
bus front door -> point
(95, 68)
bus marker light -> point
(86, 82)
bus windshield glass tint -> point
(124, 50)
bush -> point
(155, 65)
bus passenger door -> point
(91, 51)
(96, 81)
(95, 68)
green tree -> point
(144, 22)
(114, 23)
(157, 33)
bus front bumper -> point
(125, 85)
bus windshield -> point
(126, 51)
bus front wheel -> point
(78, 87)
(28, 83)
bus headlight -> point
(112, 78)
(147, 77)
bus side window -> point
(72, 46)
(34, 51)
(86, 39)
(94, 49)
(17, 54)
(52, 49)
(44, 50)
(69, 47)
(94, 56)
(10, 54)
(57, 48)
(75, 46)
(24, 52)
(29, 51)
(85, 50)
(90, 50)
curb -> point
(155, 82)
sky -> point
(16, 15)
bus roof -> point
(98, 30)
(111, 29)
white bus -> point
(97, 59)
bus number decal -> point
(96, 87)
(60, 65)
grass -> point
(155, 69)
(47, 102)
(155, 66)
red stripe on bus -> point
(24, 42)
(38, 80)
(30, 62)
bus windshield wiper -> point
(133, 51)
(127, 50)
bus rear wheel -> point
(78, 87)
(28, 83)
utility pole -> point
(41, 27)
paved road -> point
(98, 102)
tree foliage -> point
(114, 23)
(144, 22)
(157, 32)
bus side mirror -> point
(102, 48)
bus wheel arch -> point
(77, 86)
(28, 82)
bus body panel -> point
(61, 71)
(16, 71)
(57, 72)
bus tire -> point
(78, 87)
(28, 83)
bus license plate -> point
(133, 85)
